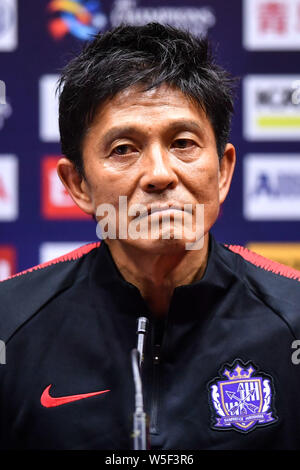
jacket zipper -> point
(155, 394)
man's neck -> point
(157, 275)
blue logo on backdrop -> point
(284, 185)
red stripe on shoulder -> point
(265, 263)
(71, 256)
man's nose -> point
(158, 173)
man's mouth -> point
(168, 207)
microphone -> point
(139, 416)
(141, 332)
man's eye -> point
(183, 143)
(122, 150)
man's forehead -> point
(138, 99)
(164, 94)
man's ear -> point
(226, 170)
(75, 184)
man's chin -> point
(161, 246)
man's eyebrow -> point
(186, 124)
(123, 131)
(117, 133)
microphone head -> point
(142, 323)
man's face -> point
(156, 148)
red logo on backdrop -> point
(56, 201)
(7, 261)
(3, 194)
(273, 17)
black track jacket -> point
(218, 372)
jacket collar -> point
(202, 294)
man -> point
(145, 116)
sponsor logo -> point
(5, 107)
(8, 25)
(80, 18)
(52, 250)
(271, 24)
(48, 401)
(48, 109)
(56, 201)
(7, 261)
(283, 253)
(83, 19)
(272, 187)
(5, 112)
(194, 19)
(271, 107)
(8, 188)
(241, 398)
(2, 92)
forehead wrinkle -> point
(135, 96)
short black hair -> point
(149, 55)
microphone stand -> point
(139, 417)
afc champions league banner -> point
(255, 40)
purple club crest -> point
(241, 398)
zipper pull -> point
(155, 391)
(156, 358)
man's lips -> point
(163, 207)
